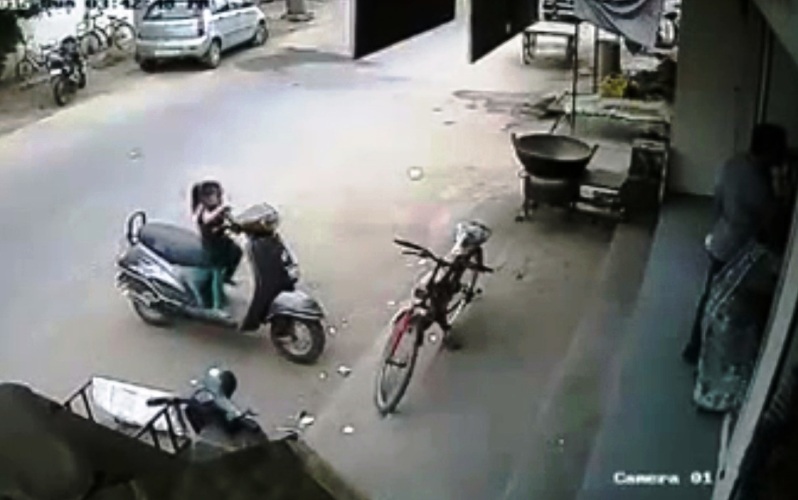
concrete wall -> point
(716, 89)
(57, 25)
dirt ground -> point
(22, 105)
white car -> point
(197, 29)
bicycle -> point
(33, 60)
(94, 38)
(439, 298)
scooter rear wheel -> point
(151, 315)
(299, 340)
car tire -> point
(261, 35)
(213, 58)
(147, 65)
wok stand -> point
(537, 191)
(596, 193)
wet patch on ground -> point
(521, 106)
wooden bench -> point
(547, 28)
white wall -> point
(716, 92)
(59, 24)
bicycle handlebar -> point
(415, 249)
(411, 245)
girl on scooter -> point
(210, 213)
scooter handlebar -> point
(164, 401)
(230, 223)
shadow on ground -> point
(294, 56)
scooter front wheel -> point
(63, 91)
(299, 340)
(151, 315)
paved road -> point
(329, 142)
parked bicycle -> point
(34, 59)
(95, 37)
(439, 298)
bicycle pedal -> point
(398, 364)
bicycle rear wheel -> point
(90, 44)
(397, 363)
(124, 36)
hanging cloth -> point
(635, 20)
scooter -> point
(200, 424)
(67, 69)
(667, 33)
(216, 423)
(166, 273)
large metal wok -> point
(550, 156)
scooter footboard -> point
(296, 304)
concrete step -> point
(580, 398)
(653, 428)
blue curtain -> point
(636, 20)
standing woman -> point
(210, 213)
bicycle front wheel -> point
(466, 289)
(124, 37)
(397, 363)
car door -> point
(224, 21)
(249, 19)
(237, 7)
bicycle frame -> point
(429, 301)
(36, 54)
(89, 23)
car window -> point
(220, 6)
(236, 4)
(175, 9)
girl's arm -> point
(212, 216)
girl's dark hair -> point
(202, 189)
(768, 139)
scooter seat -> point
(175, 244)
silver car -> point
(197, 29)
